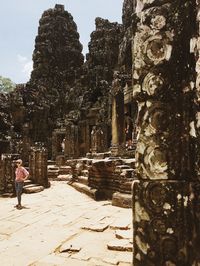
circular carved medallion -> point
(156, 50)
(152, 83)
(158, 226)
(169, 248)
(155, 197)
(155, 163)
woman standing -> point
(21, 174)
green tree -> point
(6, 85)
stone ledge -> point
(33, 189)
(122, 200)
(120, 245)
(84, 189)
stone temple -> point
(122, 125)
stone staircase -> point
(59, 173)
(80, 178)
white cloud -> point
(21, 58)
(27, 68)
(26, 65)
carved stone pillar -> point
(117, 115)
(26, 144)
(2, 178)
(165, 231)
(38, 166)
(71, 141)
(7, 172)
(54, 145)
(195, 131)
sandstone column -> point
(117, 115)
(7, 172)
(71, 140)
(115, 141)
(2, 178)
(195, 131)
(38, 166)
(164, 221)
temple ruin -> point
(122, 125)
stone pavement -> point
(60, 226)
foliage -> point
(6, 85)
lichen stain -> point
(136, 89)
(179, 197)
(148, 103)
(141, 245)
(138, 256)
(141, 147)
(158, 22)
(185, 203)
(192, 130)
(193, 44)
(140, 213)
(170, 231)
(168, 52)
(198, 119)
(150, 130)
(169, 263)
(167, 206)
(139, 6)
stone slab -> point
(120, 245)
(33, 189)
(98, 227)
(124, 234)
(123, 224)
(122, 200)
(67, 177)
(9, 227)
(67, 247)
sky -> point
(19, 22)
